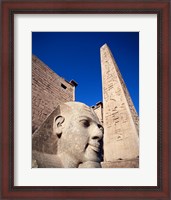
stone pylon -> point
(121, 122)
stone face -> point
(71, 136)
(48, 90)
(120, 119)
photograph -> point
(85, 99)
(85, 85)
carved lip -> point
(95, 146)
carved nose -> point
(97, 133)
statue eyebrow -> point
(85, 117)
(88, 118)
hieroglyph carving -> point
(120, 118)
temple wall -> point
(48, 90)
(98, 109)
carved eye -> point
(85, 123)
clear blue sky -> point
(76, 55)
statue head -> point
(79, 134)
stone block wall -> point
(132, 163)
(48, 90)
(98, 109)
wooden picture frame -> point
(9, 9)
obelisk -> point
(121, 137)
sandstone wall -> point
(48, 90)
(98, 109)
(132, 163)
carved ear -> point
(57, 125)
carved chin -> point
(92, 154)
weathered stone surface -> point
(48, 90)
(34, 164)
(71, 136)
(90, 164)
(98, 109)
(133, 163)
(120, 119)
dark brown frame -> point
(11, 7)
